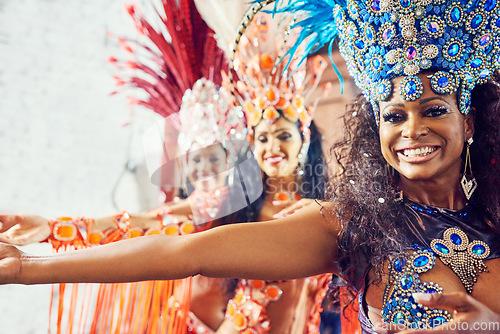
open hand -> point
(294, 207)
(10, 264)
(23, 229)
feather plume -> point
(167, 65)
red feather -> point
(191, 54)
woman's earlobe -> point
(469, 123)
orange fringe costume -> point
(188, 53)
(142, 307)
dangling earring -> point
(468, 182)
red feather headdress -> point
(175, 61)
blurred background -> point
(68, 148)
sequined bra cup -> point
(462, 240)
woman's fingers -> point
(293, 208)
(459, 301)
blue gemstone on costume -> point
(376, 65)
(421, 261)
(405, 3)
(453, 49)
(410, 87)
(478, 249)
(376, 5)
(406, 281)
(476, 21)
(359, 44)
(433, 26)
(484, 74)
(387, 34)
(497, 22)
(455, 238)
(429, 211)
(442, 248)
(437, 321)
(411, 53)
(490, 5)
(350, 32)
(399, 318)
(484, 40)
(455, 14)
(369, 34)
(443, 82)
(399, 264)
(430, 291)
(476, 62)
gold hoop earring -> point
(468, 182)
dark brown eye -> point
(436, 111)
(393, 117)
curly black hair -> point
(364, 190)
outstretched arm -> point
(301, 245)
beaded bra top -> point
(460, 239)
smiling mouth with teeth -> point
(419, 152)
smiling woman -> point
(427, 261)
(423, 139)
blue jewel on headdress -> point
(483, 41)
(478, 19)
(455, 14)
(490, 5)
(383, 91)
(413, 36)
(464, 102)
(411, 88)
(444, 82)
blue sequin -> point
(478, 249)
(476, 21)
(421, 261)
(359, 44)
(476, 63)
(370, 34)
(430, 291)
(376, 65)
(376, 5)
(484, 40)
(453, 49)
(399, 264)
(455, 238)
(443, 82)
(405, 3)
(399, 318)
(455, 14)
(437, 321)
(410, 87)
(442, 248)
(433, 26)
(406, 282)
(484, 74)
(490, 5)
(387, 34)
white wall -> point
(63, 143)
